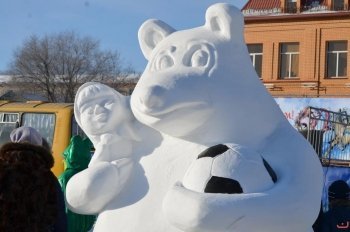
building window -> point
(337, 52)
(291, 6)
(256, 54)
(338, 5)
(289, 60)
(313, 5)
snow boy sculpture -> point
(199, 89)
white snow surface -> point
(199, 89)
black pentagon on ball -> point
(213, 151)
(218, 184)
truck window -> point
(76, 130)
(8, 122)
(44, 123)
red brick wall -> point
(312, 33)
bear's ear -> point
(226, 20)
(151, 33)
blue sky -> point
(113, 22)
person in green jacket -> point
(77, 157)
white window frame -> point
(290, 55)
(337, 60)
(255, 54)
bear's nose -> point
(153, 98)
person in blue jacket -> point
(338, 216)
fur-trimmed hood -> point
(25, 174)
(13, 152)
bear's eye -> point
(163, 62)
(199, 58)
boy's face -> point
(98, 115)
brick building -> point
(300, 48)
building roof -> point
(262, 4)
(256, 8)
(251, 18)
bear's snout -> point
(152, 98)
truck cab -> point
(54, 121)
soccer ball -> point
(229, 168)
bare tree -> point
(58, 64)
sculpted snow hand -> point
(198, 90)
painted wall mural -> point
(329, 117)
(326, 122)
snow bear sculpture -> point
(199, 89)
